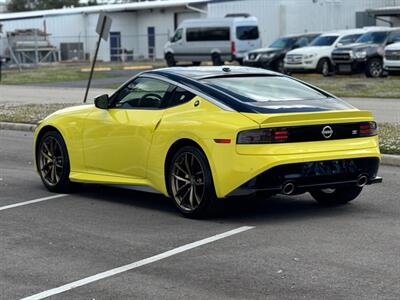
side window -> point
(202, 34)
(177, 36)
(180, 96)
(145, 93)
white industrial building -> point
(140, 29)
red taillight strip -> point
(281, 132)
(222, 141)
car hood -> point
(309, 49)
(358, 46)
(72, 110)
(266, 50)
(395, 46)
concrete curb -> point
(387, 159)
(390, 160)
(17, 126)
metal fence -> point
(118, 48)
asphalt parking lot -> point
(291, 249)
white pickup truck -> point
(391, 59)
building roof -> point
(391, 11)
(99, 8)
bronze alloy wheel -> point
(51, 161)
(187, 180)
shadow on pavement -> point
(234, 209)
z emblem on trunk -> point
(327, 132)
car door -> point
(117, 140)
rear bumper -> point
(306, 176)
(233, 166)
(350, 67)
(302, 68)
(266, 64)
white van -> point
(215, 39)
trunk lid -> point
(307, 131)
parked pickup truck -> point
(366, 54)
(391, 60)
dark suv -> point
(366, 54)
(271, 57)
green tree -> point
(51, 4)
(20, 5)
(27, 5)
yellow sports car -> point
(197, 134)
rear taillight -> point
(308, 133)
(368, 129)
(263, 136)
(233, 47)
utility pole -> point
(103, 30)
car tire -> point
(338, 196)
(279, 66)
(196, 63)
(374, 68)
(169, 58)
(324, 67)
(190, 183)
(216, 59)
(53, 164)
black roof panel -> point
(209, 72)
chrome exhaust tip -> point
(288, 188)
(362, 180)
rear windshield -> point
(377, 37)
(266, 88)
(324, 40)
(275, 93)
(247, 32)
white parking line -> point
(135, 265)
(31, 202)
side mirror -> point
(296, 46)
(101, 101)
(339, 45)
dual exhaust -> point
(289, 187)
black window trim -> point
(195, 91)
